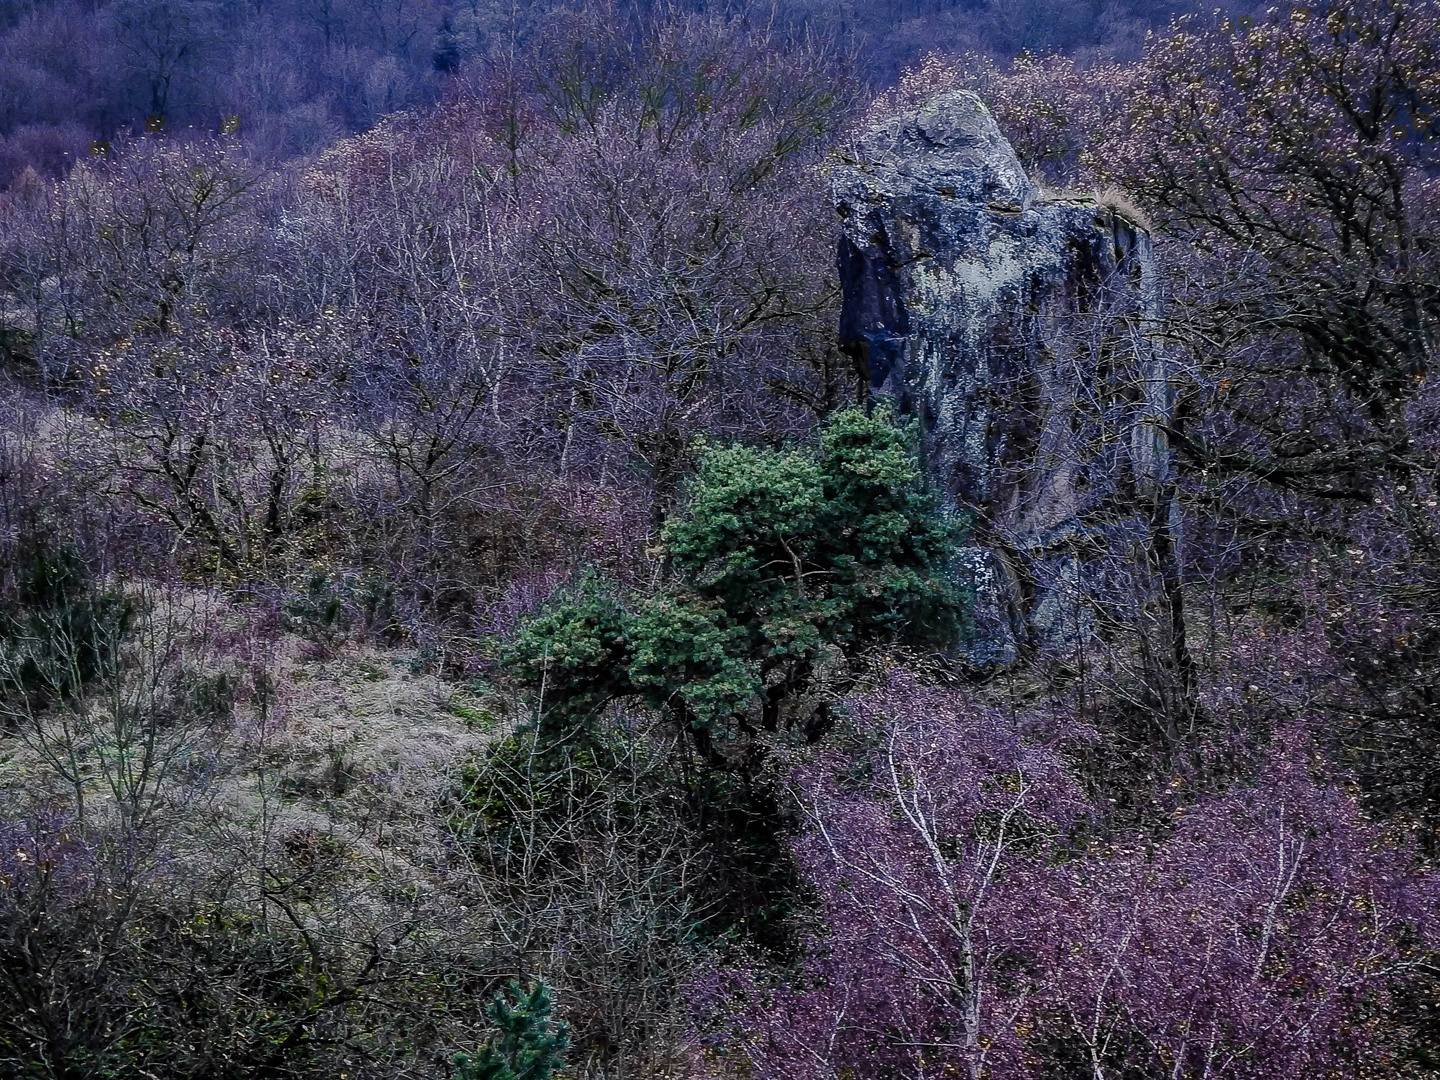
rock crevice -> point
(1020, 327)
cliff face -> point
(1018, 327)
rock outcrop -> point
(1019, 327)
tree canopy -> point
(782, 563)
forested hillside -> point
(299, 74)
(482, 595)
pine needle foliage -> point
(527, 1046)
(781, 564)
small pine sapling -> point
(526, 1047)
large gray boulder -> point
(1020, 327)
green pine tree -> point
(781, 563)
(525, 1047)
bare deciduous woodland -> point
(814, 542)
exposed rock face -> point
(1019, 328)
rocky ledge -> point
(1020, 327)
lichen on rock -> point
(1021, 329)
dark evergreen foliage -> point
(783, 563)
(528, 1046)
(60, 628)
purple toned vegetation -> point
(970, 926)
(299, 427)
(301, 74)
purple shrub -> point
(41, 861)
(930, 853)
(1249, 943)
(965, 930)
